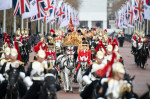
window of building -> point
(83, 23)
(97, 24)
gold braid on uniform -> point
(49, 68)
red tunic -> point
(17, 47)
(86, 54)
(51, 55)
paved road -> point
(142, 76)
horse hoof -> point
(71, 91)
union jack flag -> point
(21, 6)
(60, 13)
(139, 11)
(41, 11)
(116, 19)
(49, 8)
(130, 16)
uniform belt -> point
(38, 78)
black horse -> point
(13, 86)
(48, 88)
(147, 94)
(143, 55)
(131, 94)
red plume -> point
(102, 72)
(52, 31)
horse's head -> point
(49, 86)
(58, 47)
(129, 79)
(13, 76)
(83, 66)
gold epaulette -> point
(2, 51)
(21, 63)
(50, 67)
(2, 58)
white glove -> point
(28, 81)
(86, 58)
(22, 75)
(87, 80)
(81, 58)
(1, 78)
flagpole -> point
(15, 24)
(55, 25)
(38, 26)
(49, 27)
(147, 28)
(45, 28)
(4, 21)
(27, 23)
(42, 27)
(21, 22)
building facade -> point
(111, 14)
(93, 13)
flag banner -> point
(130, 16)
(116, 19)
(120, 21)
(147, 9)
(49, 9)
(21, 6)
(124, 21)
(5, 4)
(64, 16)
(33, 11)
(139, 10)
(41, 11)
(68, 13)
(60, 12)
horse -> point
(143, 55)
(81, 71)
(58, 48)
(66, 64)
(13, 86)
(48, 88)
(147, 94)
(130, 94)
(92, 48)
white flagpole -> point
(42, 27)
(22, 22)
(55, 25)
(15, 24)
(27, 23)
(45, 28)
(147, 28)
(140, 28)
(49, 27)
(38, 26)
(4, 21)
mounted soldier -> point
(94, 73)
(114, 87)
(35, 75)
(18, 43)
(17, 64)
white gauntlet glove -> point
(1, 78)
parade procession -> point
(74, 49)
